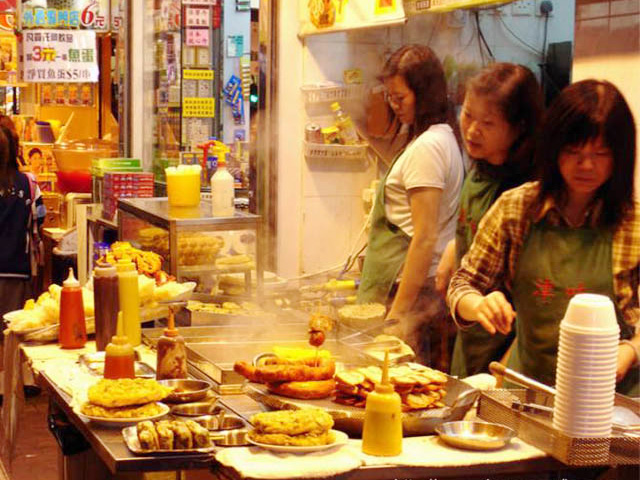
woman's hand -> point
(493, 312)
(445, 268)
(626, 359)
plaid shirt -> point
(492, 259)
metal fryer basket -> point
(496, 406)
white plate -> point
(122, 422)
(339, 438)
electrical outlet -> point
(523, 7)
(539, 13)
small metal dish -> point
(186, 389)
(217, 423)
(231, 438)
(196, 409)
(475, 435)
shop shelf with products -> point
(195, 245)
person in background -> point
(576, 229)
(413, 217)
(499, 119)
(21, 216)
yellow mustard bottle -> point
(382, 430)
(129, 299)
(119, 360)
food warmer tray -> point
(459, 399)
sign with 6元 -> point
(59, 56)
(89, 14)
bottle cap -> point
(335, 106)
(104, 270)
(171, 330)
(71, 280)
(385, 386)
(120, 338)
(125, 265)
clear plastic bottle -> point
(222, 188)
(348, 133)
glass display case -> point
(196, 246)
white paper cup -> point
(588, 312)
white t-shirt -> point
(431, 160)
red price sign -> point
(43, 54)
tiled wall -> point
(608, 47)
(319, 227)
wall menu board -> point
(320, 16)
(85, 14)
(59, 56)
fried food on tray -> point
(304, 390)
(309, 426)
(418, 386)
(173, 435)
(126, 391)
(136, 411)
(276, 370)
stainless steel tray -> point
(459, 399)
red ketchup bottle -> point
(119, 355)
(73, 330)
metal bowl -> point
(186, 389)
(196, 409)
(475, 435)
(215, 422)
(231, 438)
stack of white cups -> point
(586, 370)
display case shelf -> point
(335, 152)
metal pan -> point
(231, 438)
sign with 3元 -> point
(59, 56)
(86, 14)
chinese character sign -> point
(59, 56)
(89, 14)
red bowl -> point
(77, 181)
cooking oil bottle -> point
(348, 133)
(382, 430)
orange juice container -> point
(382, 430)
(119, 357)
(73, 330)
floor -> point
(35, 457)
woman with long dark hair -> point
(499, 120)
(18, 212)
(575, 230)
(414, 213)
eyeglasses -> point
(580, 155)
(393, 99)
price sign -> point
(198, 107)
(197, 17)
(60, 56)
(197, 37)
(88, 14)
(198, 74)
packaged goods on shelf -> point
(125, 185)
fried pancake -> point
(295, 440)
(311, 421)
(136, 411)
(124, 392)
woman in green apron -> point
(413, 217)
(500, 116)
(575, 230)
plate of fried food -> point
(295, 431)
(125, 401)
(167, 437)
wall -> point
(320, 212)
(608, 47)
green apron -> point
(386, 252)
(474, 347)
(556, 263)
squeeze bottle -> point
(171, 352)
(129, 298)
(222, 187)
(382, 430)
(119, 355)
(73, 330)
(345, 125)
(105, 298)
